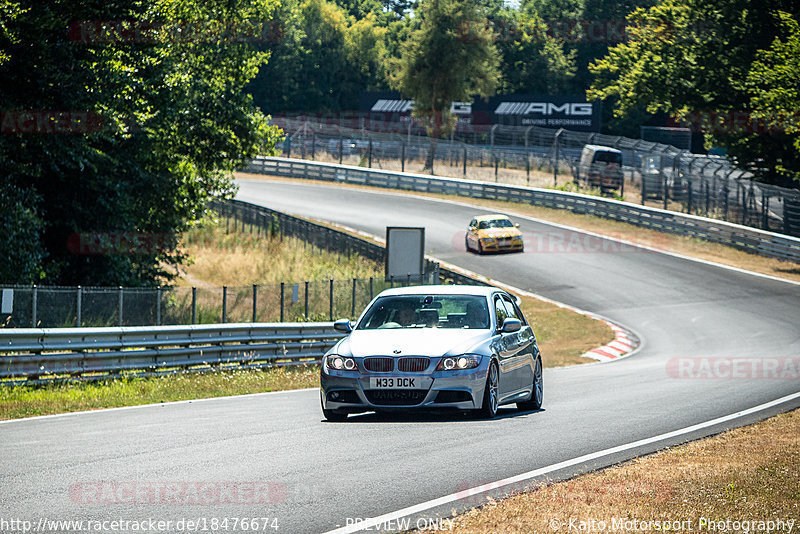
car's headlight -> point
(458, 363)
(487, 239)
(339, 363)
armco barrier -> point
(32, 355)
(752, 240)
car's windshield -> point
(495, 223)
(427, 311)
(608, 157)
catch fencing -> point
(310, 300)
(749, 239)
(655, 174)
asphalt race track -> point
(314, 476)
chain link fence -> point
(310, 300)
(653, 174)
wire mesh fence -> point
(308, 300)
(653, 174)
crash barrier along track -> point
(751, 240)
(36, 355)
(33, 355)
(671, 177)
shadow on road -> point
(435, 417)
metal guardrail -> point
(745, 238)
(36, 355)
(39, 355)
(666, 177)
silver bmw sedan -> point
(433, 347)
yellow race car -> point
(493, 233)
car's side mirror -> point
(516, 225)
(511, 325)
(343, 326)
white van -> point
(601, 166)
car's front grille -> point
(396, 397)
(413, 365)
(379, 365)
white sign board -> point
(8, 301)
(405, 253)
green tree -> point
(323, 61)
(774, 82)
(168, 122)
(532, 61)
(692, 59)
(451, 57)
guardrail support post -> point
(224, 304)
(330, 300)
(255, 302)
(194, 305)
(341, 149)
(371, 288)
(282, 296)
(644, 188)
(528, 167)
(369, 154)
(158, 306)
(313, 144)
(465, 161)
(78, 321)
(353, 307)
(34, 302)
(402, 156)
(306, 301)
(558, 157)
(119, 292)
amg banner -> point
(571, 112)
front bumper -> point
(501, 245)
(350, 391)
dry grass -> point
(219, 258)
(25, 401)
(564, 335)
(695, 248)
(238, 259)
(750, 473)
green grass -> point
(28, 401)
(237, 259)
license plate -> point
(394, 382)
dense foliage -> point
(715, 65)
(125, 117)
(120, 120)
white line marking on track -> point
(119, 408)
(380, 191)
(421, 507)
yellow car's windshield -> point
(495, 223)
